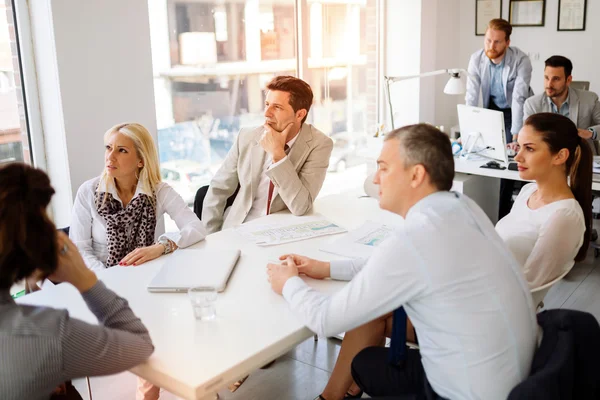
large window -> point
(212, 60)
(342, 71)
(14, 140)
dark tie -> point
(397, 352)
(271, 186)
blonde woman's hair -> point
(149, 174)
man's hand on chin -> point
(273, 142)
(278, 274)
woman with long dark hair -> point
(549, 225)
(43, 347)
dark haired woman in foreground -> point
(43, 347)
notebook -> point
(187, 268)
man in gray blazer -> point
(502, 74)
(280, 165)
(580, 106)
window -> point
(212, 61)
(14, 139)
(209, 79)
(342, 70)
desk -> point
(474, 167)
(195, 359)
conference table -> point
(195, 359)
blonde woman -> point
(114, 218)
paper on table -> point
(361, 242)
(596, 167)
(273, 234)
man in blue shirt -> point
(502, 75)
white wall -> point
(100, 75)
(447, 40)
(403, 57)
(423, 36)
(428, 32)
(546, 41)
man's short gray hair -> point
(426, 145)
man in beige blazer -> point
(280, 165)
(580, 106)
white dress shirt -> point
(88, 228)
(461, 287)
(544, 241)
(259, 204)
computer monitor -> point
(482, 132)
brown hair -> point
(499, 24)
(426, 145)
(301, 95)
(27, 236)
(559, 132)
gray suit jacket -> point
(516, 78)
(584, 110)
(298, 179)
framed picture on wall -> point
(572, 15)
(527, 12)
(485, 11)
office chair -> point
(565, 365)
(581, 85)
(539, 293)
(201, 194)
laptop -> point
(187, 268)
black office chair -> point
(565, 366)
(201, 194)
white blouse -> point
(545, 241)
(88, 228)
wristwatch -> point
(166, 243)
(594, 133)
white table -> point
(195, 359)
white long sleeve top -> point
(459, 284)
(88, 228)
(544, 241)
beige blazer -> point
(298, 179)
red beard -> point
(493, 54)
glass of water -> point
(203, 302)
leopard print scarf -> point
(139, 214)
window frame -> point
(27, 69)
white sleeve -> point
(191, 229)
(559, 240)
(80, 231)
(520, 94)
(380, 287)
(345, 270)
